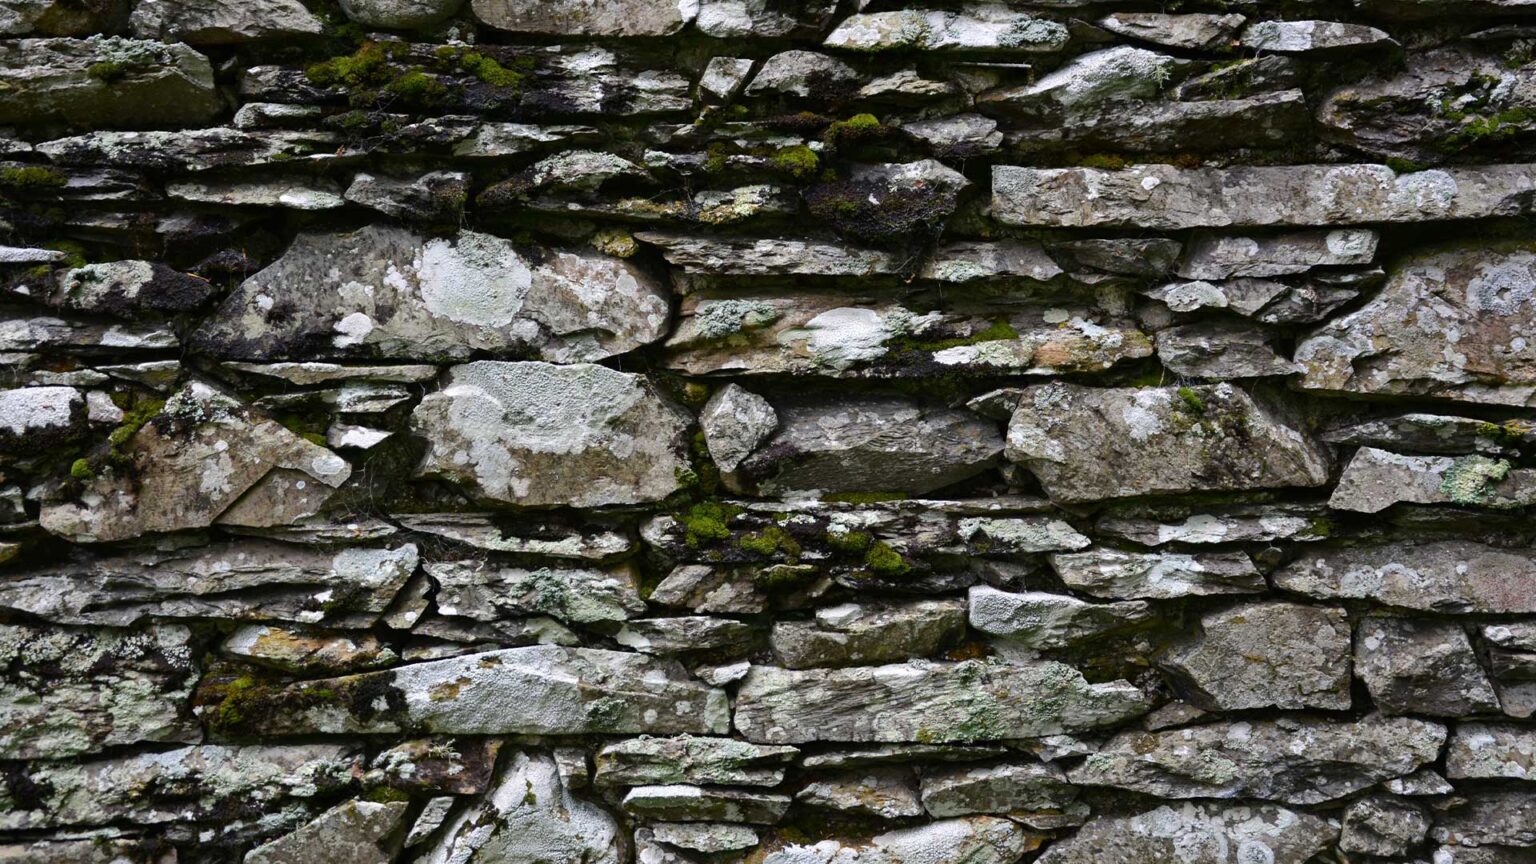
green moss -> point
(885, 561)
(769, 541)
(858, 129)
(368, 67)
(783, 578)
(798, 161)
(107, 71)
(81, 470)
(74, 253)
(706, 522)
(854, 542)
(1104, 161)
(493, 73)
(1404, 166)
(998, 331)
(1191, 400)
(417, 87)
(1473, 480)
(386, 795)
(133, 420)
(31, 177)
(864, 497)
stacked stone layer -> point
(813, 432)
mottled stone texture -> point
(767, 432)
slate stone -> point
(1421, 667)
(1265, 655)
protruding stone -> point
(736, 19)
(1008, 788)
(1421, 667)
(1491, 751)
(980, 27)
(1450, 576)
(304, 652)
(357, 832)
(1221, 350)
(1040, 621)
(601, 18)
(687, 803)
(1383, 825)
(1121, 73)
(1266, 655)
(1117, 575)
(852, 634)
(706, 837)
(803, 74)
(1291, 761)
(486, 592)
(696, 635)
(927, 702)
(462, 766)
(1190, 32)
(499, 532)
(130, 289)
(33, 418)
(387, 291)
(537, 434)
(689, 759)
(1311, 37)
(1223, 256)
(735, 421)
(399, 14)
(884, 793)
(1488, 818)
(1198, 834)
(106, 82)
(436, 197)
(1087, 444)
(976, 840)
(201, 23)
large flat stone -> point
(105, 82)
(1450, 576)
(1198, 834)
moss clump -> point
(885, 561)
(1191, 400)
(1104, 161)
(770, 541)
(998, 331)
(81, 470)
(366, 68)
(386, 795)
(798, 161)
(133, 420)
(858, 129)
(854, 542)
(783, 578)
(417, 87)
(31, 177)
(107, 71)
(706, 522)
(1473, 480)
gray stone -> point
(390, 292)
(1311, 37)
(301, 651)
(927, 702)
(1165, 197)
(957, 135)
(189, 149)
(1221, 350)
(801, 73)
(696, 635)
(735, 19)
(357, 832)
(688, 803)
(601, 18)
(33, 418)
(979, 27)
(203, 460)
(137, 84)
(1223, 256)
(463, 766)
(1190, 32)
(900, 754)
(486, 591)
(764, 257)
(1491, 751)
(190, 784)
(399, 14)
(884, 793)
(495, 532)
(1088, 444)
(1040, 621)
(1421, 667)
(1010, 788)
(69, 691)
(706, 837)
(434, 814)
(293, 192)
(1117, 575)
(537, 434)
(1449, 316)
(688, 759)
(240, 580)
(211, 22)
(1292, 761)
(1126, 256)
(723, 77)
(1488, 818)
(974, 840)
(1450, 576)
(869, 443)
(96, 850)
(536, 690)
(529, 815)
(130, 289)
(1265, 655)
(1156, 126)
(1115, 74)
(853, 634)
(437, 196)
(735, 421)
(1198, 834)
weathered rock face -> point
(357, 832)
(1465, 345)
(687, 759)
(1446, 576)
(1113, 574)
(1198, 834)
(106, 82)
(537, 434)
(1421, 667)
(399, 294)
(601, 18)
(977, 840)
(200, 22)
(1125, 442)
(1266, 655)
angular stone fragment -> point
(1040, 621)
(728, 19)
(927, 702)
(496, 532)
(190, 784)
(33, 418)
(884, 793)
(105, 82)
(398, 14)
(764, 257)
(536, 690)
(735, 421)
(1445, 325)
(687, 803)
(1087, 444)
(1383, 825)
(1110, 75)
(1198, 834)
(1488, 818)
(860, 444)
(706, 837)
(187, 149)
(1421, 667)
(1311, 37)
(486, 592)
(1221, 349)
(696, 634)
(1291, 761)
(1016, 787)
(1223, 256)
(1117, 575)
(1191, 32)
(293, 192)
(130, 289)
(1155, 125)
(1164, 197)
(897, 754)
(976, 840)
(600, 18)
(437, 196)
(203, 460)
(537, 434)
(1266, 655)
(867, 633)
(1129, 256)
(1435, 433)
(979, 27)
(1491, 751)
(304, 652)
(357, 832)
(69, 690)
(689, 759)
(199, 22)
(242, 580)
(388, 291)
(531, 815)
(1450, 576)
(802, 73)
(463, 766)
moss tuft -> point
(81, 470)
(798, 161)
(885, 561)
(1191, 400)
(706, 522)
(31, 177)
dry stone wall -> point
(767, 432)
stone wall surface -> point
(767, 432)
